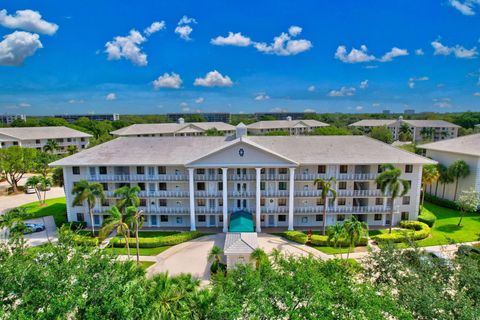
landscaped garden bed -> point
(409, 230)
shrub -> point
(413, 230)
(154, 242)
(427, 217)
(85, 241)
(319, 240)
(76, 225)
(441, 202)
(296, 236)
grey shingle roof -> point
(285, 124)
(414, 123)
(469, 145)
(33, 133)
(301, 149)
(240, 243)
(168, 128)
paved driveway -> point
(39, 238)
(12, 201)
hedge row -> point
(427, 217)
(295, 236)
(85, 241)
(413, 230)
(154, 242)
(441, 202)
(317, 239)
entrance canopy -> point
(241, 221)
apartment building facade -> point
(199, 182)
(293, 127)
(93, 117)
(7, 119)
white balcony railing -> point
(137, 177)
(341, 176)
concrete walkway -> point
(13, 201)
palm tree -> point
(128, 197)
(215, 254)
(335, 234)
(354, 231)
(458, 169)
(72, 149)
(34, 182)
(259, 256)
(40, 184)
(328, 187)
(85, 191)
(427, 133)
(442, 170)
(445, 178)
(390, 183)
(51, 146)
(116, 221)
(136, 220)
(430, 174)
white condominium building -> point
(200, 182)
(173, 129)
(293, 127)
(37, 137)
(433, 130)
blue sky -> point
(330, 56)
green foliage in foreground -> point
(53, 207)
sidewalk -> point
(13, 201)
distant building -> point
(180, 128)
(7, 119)
(386, 111)
(93, 117)
(409, 111)
(433, 130)
(37, 137)
(293, 127)
(210, 117)
(281, 115)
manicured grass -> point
(53, 207)
(331, 250)
(152, 234)
(133, 251)
(146, 264)
(445, 229)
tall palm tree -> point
(72, 149)
(335, 235)
(136, 220)
(430, 174)
(128, 197)
(34, 182)
(116, 221)
(51, 146)
(215, 254)
(458, 169)
(445, 178)
(391, 184)
(40, 184)
(354, 231)
(259, 256)
(85, 191)
(442, 170)
(328, 187)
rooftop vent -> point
(241, 130)
(289, 118)
(181, 121)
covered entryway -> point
(241, 221)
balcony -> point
(311, 176)
(208, 177)
(241, 194)
(241, 177)
(275, 193)
(137, 177)
(207, 194)
(360, 193)
(274, 177)
(343, 209)
(151, 210)
(155, 194)
(341, 176)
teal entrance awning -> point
(241, 221)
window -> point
(200, 171)
(320, 202)
(342, 185)
(377, 217)
(37, 141)
(105, 203)
(162, 202)
(92, 171)
(282, 202)
(161, 170)
(282, 170)
(201, 218)
(220, 186)
(179, 220)
(153, 220)
(201, 203)
(262, 171)
(163, 218)
(220, 218)
(282, 218)
(75, 170)
(408, 168)
(69, 139)
(262, 185)
(105, 186)
(220, 202)
(318, 217)
(140, 170)
(82, 139)
(96, 219)
(151, 187)
(151, 171)
(80, 217)
(262, 202)
(162, 186)
(379, 201)
(405, 215)
(406, 200)
(341, 201)
(380, 168)
(141, 185)
(143, 203)
(343, 168)
(341, 217)
(201, 186)
(102, 170)
(282, 185)
(322, 169)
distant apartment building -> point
(421, 130)
(386, 112)
(409, 111)
(37, 137)
(178, 129)
(209, 116)
(293, 127)
(93, 117)
(281, 115)
(466, 148)
(7, 119)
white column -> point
(291, 198)
(257, 201)
(191, 185)
(225, 199)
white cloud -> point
(233, 39)
(166, 80)
(412, 81)
(466, 7)
(27, 20)
(308, 110)
(183, 104)
(359, 108)
(393, 53)
(364, 84)
(155, 27)
(284, 45)
(419, 52)
(75, 101)
(111, 96)
(442, 103)
(278, 109)
(459, 51)
(376, 104)
(343, 92)
(262, 97)
(184, 29)
(476, 94)
(354, 56)
(199, 100)
(213, 79)
(17, 46)
(311, 88)
(127, 48)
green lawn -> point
(146, 264)
(53, 207)
(133, 251)
(153, 234)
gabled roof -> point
(413, 123)
(373, 123)
(240, 243)
(285, 124)
(34, 133)
(170, 128)
(469, 145)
